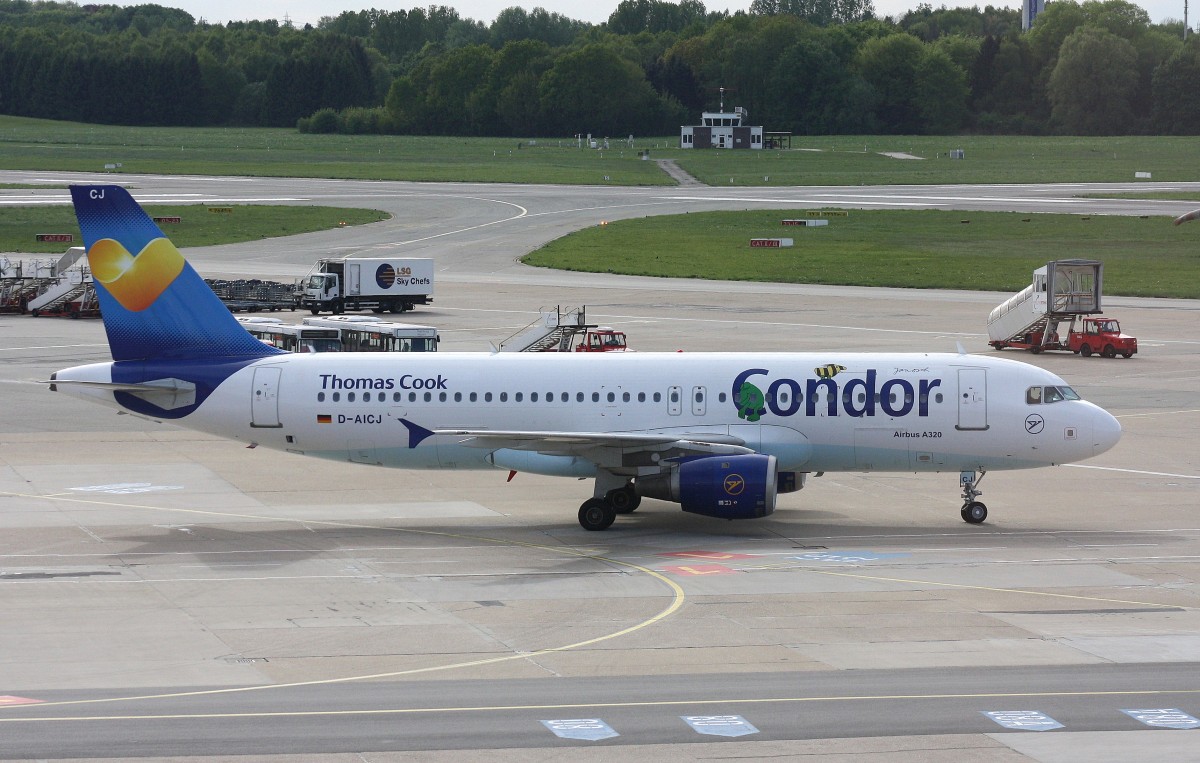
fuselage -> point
(813, 411)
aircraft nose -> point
(1106, 431)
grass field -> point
(918, 249)
(198, 227)
(32, 144)
(847, 160)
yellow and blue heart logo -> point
(135, 281)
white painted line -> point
(1134, 471)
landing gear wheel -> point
(974, 513)
(1086, 351)
(596, 514)
(624, 500)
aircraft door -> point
(699, 395)
(972, 399)
(264, 401)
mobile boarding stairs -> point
(1061, 291)
(553, 331)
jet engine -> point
(726, 487)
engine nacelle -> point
(726, 487)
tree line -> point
(812, 67)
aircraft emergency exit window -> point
(674, 396)
(699, 396)
(320, 397)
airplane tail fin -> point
(155, 306)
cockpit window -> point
(1039, 395)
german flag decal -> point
(324, 418)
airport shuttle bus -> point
(292, 338)
(361, 333)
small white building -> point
(722, 129)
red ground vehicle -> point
(602, 339)
(1095, 335)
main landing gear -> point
(973, 512)
(599, 513)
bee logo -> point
(828, 371)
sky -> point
(303, 12)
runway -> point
(164, 593)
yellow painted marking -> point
(677, 599)
(606, 705)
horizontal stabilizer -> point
(164, 393)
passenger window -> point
(611, 397)
(579, 397)
(320, 397)
(442, 397)
(487, 397)
(658, 397)
(504, 397)
(641, 397)
(473, 397)
(395, 397)
(519, 396)
(625, 398)
(458, 397)
(349, 397)
(428, 396)
(337, 396)
(595, 397)
(565, 397)
(533, 397)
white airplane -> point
(722, 434)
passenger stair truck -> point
(556, 329)
(70, 291)
(1061, 292)
(393, 284)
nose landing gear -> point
(973, 512)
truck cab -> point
(602, 339)
(1102, 335)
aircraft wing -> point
(605, 448)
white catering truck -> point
(389, 283)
